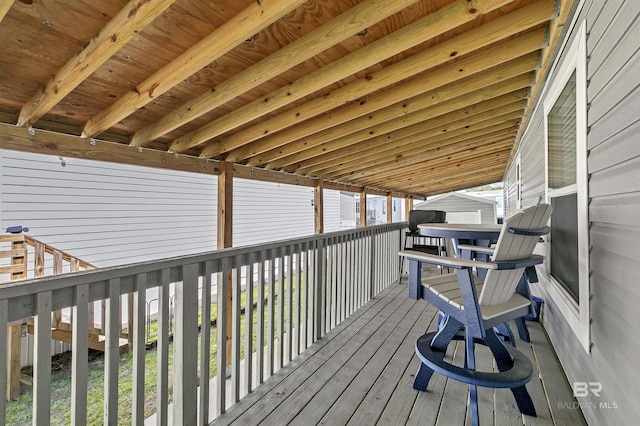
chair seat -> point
(446, 287)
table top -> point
(471, 231)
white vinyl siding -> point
(108, 214)
(613, 164)
(266, 211)
(331, 200)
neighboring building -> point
(462, 208)
(496, 195)
(113, 214)
(579, 151)
(377, 209)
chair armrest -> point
(454, 262)
(530, 232)
(478, 249)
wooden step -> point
(95, 341)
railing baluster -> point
(334, 278)
(205, 343)
(221, 374)
(4, 315)
(137, 328)
(271, 317)
(162, 399)
(42, 361)
(312, 278)
(339, 281)
(235, 334)
(79, 360)
(289, 321)
(248, 327)
(322, 280)
(281, 318)
(261, 319)
(112, 347)
(185, 359)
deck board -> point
(362, 373)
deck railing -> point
(284, 296)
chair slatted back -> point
(499, 286)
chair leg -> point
(447, 332)
(523, 331)
(470, 363)
(505, 362)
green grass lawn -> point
(20, 412)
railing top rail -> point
(128, 272)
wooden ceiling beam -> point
(132, 19)
(307, 157)
(352, 168)
(426, 28)
(464, 180)
(4, 8)
(459, 108)
(392, 161)
(481, 125)
(413, 96)
(442, 187)
(63, 145)
(421, 131)
(440, 168)
(250, 21)
(434, 159)
(460, 45)
(333, 32)
(415, 178)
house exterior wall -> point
(453, 203)
(108, 214)
(613, 166)
(267, 211)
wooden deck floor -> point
(361, 373)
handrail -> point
(302, 287)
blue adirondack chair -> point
(473, 306)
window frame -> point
(577, 314)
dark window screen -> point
(564, 243)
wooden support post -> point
(389, 208)
(225, 236)
(15, 332)
(408, 203)
(363, 208)
(318, 206)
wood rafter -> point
(427, 150)
(435, 158)
(4, 8)
(476, 119)
(426, 28)
(415, 134)
(307, 157)
(351, 22)
(417, 175)
(253, 19)
(419, 112)
(378, 97)
(373, 157)
(429, 92)
(465, 43)
(134, 17)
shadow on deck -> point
(362, 372)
